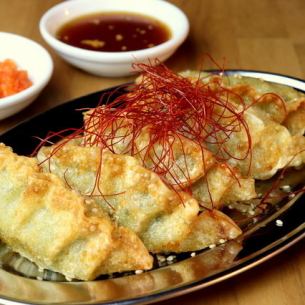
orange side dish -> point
(12, 80)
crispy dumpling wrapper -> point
(272, 100)
(295, 120)
(135, 197)
(213, 222)
(57, 229)
(272, 121)
(222, 186)
(274, 115)
(275, 150)
(179, 160)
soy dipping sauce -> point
(114, 32)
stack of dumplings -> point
(84, 211)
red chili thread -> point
(171, 108)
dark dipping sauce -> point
(114, 32)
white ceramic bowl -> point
(29, 56)
(113, 63)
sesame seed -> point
(286, 188)
(279, 223)
(138, 271)
(193, 254)
(161, 258)
(222, 241)
(119, 37)
(170, 258)
(251, 212)
(212, 246)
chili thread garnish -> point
(171, 108)
(163, 111)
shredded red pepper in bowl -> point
(12, 79)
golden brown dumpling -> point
(137, 198)
(59, 230)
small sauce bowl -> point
(114, 64)
(31, 57)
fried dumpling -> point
(178, 159)
(271, 100)
(58, 229)
(136, 198)
(272, 147)
(221, 186)
(274, 101)
(275, 150)
(294, 121)
(274, 116)
(213, 222)
(125, 189)
(282, 109)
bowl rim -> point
(96, 56)
(38, 84)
